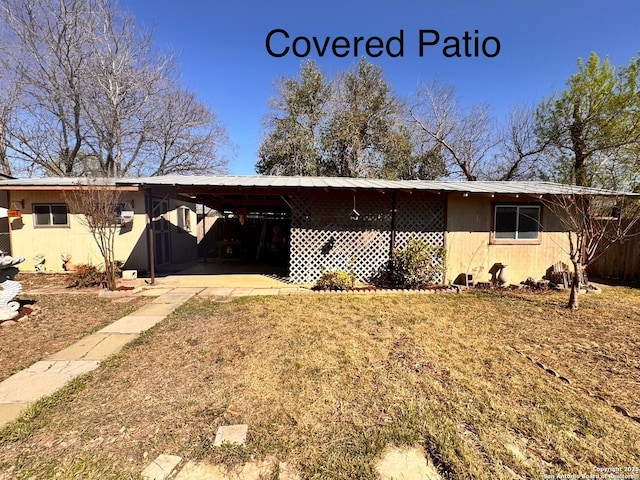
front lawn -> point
(325, 382)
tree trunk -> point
(579, 147)
(575, 286)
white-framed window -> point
(184, 219)
(516, 222)
(50, 215)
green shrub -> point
(334, 280)
(85, 276)
(417, 265)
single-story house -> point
(307, 224)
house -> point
(307, 224)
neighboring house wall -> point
(469, 242)
(29, 240)
(326, 236)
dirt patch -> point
(43, 280)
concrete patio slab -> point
(42, 378)
(172, 297)
(10, 411)
(187, 289)
(242, 292)
(97, 346)
(133, 324)
(153, 292)
(216, 292)
(233, 280)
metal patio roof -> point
(483, 187)
(267, 182)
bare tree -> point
(48, 59)
(520, 155)
(473, 144)
(593, 223)
(95, 204)
(94, 93)
(187, 138)
(8, 96)
(467, 138)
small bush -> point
(85, 276)
(334, 280)
(417, 265)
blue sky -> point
(222, 53)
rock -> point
(409, 463)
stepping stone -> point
(156, 309)
(161, 468)
(10, 411)
(231, 434)
(42, 378)
(133, 324)
(248, 471)
(407, 463)
(97, 346)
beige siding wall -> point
(130, 246)
(469, 251)
(28, 241)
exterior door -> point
(161, 231)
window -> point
(50, 215)
(184, 219)
(517, 222)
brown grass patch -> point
(55, 322)
(327, 382)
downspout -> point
(151, 250)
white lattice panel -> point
(324, 237)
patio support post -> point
(392, 243)
(204, 229)
(150, 245)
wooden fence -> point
(621, 261)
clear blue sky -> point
(222, 52)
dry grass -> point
(56, 321)
(326, 382)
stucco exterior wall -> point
(469, 248)
(27, 240)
